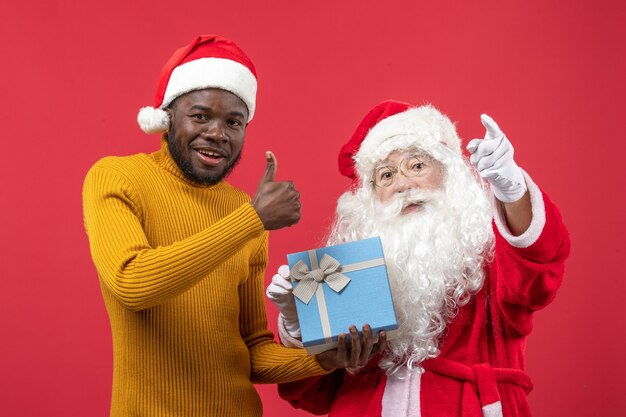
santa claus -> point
(469, 263)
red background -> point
(74, 75)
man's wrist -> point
(325, 361)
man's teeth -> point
(209, 153)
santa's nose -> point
(404, 183)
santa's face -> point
(434, 255)
(406, 170)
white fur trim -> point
(423, 127)
(153, 120)
(402, 394)
(213, 73)
(493, 410)
(537, 223)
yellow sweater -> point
(181, 269)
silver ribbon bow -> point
(328, 272)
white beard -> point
(434, 256)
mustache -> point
(400, 201)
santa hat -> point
(209, 61)
(393, 125)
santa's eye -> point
(384, 176)
(413, 166)
(416, 166)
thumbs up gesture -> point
(493, 158)
(276, 202)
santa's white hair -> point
(435, 256)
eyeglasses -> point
(411, 166)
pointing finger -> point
(270, 168)
(493, 130)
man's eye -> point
(385, 175)
(417, 166)
(235, 123)
(414, 164)
(199, 116)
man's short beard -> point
(434, 256)
(187, 169)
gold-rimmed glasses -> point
(410, 166)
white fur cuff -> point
(537, 223)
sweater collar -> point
(163, 159)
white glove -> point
(493, 158)
(280, 293)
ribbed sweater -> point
(181, 269)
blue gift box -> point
(338, 286)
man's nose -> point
(215, 131)
(403, 183)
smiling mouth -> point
(210, 156)
(209, 153)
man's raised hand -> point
(276, 202)
(493, 158)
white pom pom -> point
(153, 120)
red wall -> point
(74, 74)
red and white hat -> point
(393, 125)
(209, 61)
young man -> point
(467, 270)
(181, 254)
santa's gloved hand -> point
(493, 158)
(280, 293)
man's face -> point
(406, 170)
(206, 133)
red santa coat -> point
(480, 370)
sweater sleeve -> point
(141, 276)
(530, 268)
(271, 363)
(315, 394)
